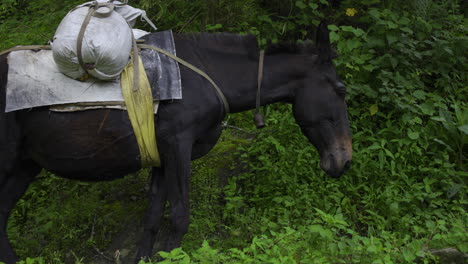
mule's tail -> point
(9, 128)
(3, 125)
(3, 82)
(8, 155)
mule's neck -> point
(281, 75)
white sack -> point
(107, 42)
(131, 14)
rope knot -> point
(89, 66)
(102, 9)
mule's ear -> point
(323, 42)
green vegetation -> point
(405, 65)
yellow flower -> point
(351, 11)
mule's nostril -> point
(347, 165)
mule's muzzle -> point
(337, 162)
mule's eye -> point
(340, 89)
(338, 86)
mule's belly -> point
(92, 145)
(91, 163)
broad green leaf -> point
(164, 254)
(389, 153)
(348, 29)
(333, 28)
(448, 50)
(443, 143)
(300, 4)
(376, 43)
(316, 228)
(438, 119)
(419, 94)
(413, 135)
(404, 21)
(407, 30)
(214, 27)
(394, 206)
(334, 37)
(374, 147)
(368, 67)
(353, 44)
(417, 120)
(464, 129)
(408, 255)
(427, 108)
(391, 38)
(374, 109)
(374, 13)
(313, 5)
(372, 249)
(391, 25)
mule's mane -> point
(230, 42)
(292, 47)
(248, 45)
(226, 42)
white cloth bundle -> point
(106, 44)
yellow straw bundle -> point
(139, 103)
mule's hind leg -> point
(154, 214)
(13, 184)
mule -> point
(99, 145)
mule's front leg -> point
(178, 176)
(154, 214)
(168, 183)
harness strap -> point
(136, 70)
(258, 117)
(79, 41)
(193, 68)
(30, 47)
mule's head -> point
(320, 109)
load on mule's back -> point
(96, 38)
